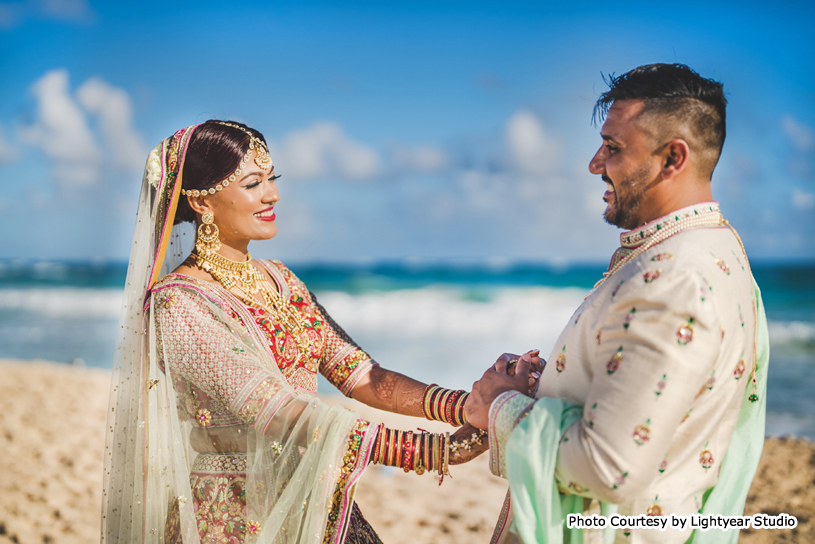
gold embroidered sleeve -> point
(343, 362)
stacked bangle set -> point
(445, 405)
(420, 451)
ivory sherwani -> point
(659, 357)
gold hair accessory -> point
(262, 159)
(207, 241)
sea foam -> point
(76, 303)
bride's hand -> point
(506, 365)
(463, 455)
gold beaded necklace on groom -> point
(242, 278)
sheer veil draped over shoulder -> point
(302, 458)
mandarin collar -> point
(634, 238)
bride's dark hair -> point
(213, 154)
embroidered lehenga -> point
(214, 431)
(212, 372)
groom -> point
(651, 403)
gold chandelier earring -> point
(207, 241)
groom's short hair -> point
(678, 103)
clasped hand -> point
(500, 378)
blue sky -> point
(427, 130)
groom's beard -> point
(623, 209)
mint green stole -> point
(540, 510)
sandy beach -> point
(52, 420)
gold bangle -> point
(428, 393)
(426, 452)
(378, 445)
(392, 462)
(398, 460)
(458, 410)
(441, 403)
(433, 400)
(436, 451)
(438, 403)
(441, 454)
(447, 453)
(434, 404)
(383, 446)
(375, 458)
(417, 452)
(391, 447)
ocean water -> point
(439, 323)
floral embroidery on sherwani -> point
(642, 435)
(560, 361)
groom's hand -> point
(493, 383)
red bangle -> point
(448, 409)
(407, 451)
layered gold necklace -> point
(244, 281)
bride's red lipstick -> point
(268, 217)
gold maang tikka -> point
(262, 159)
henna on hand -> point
(383, 386)
(391, 391)
(463, 455)
(409, 396)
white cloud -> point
(486, 192)
(14, 13)
(531, 150)
(64, 9)
(801, 136)
(801, 200)
(115, 112)
(63, 130)
(7, 153)
(422, 158)
(323, 149)
(9, 15)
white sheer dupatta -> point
(303, 458)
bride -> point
(215, 433)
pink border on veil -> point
(161, 248)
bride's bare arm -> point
(354, 373)
(387, 390)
